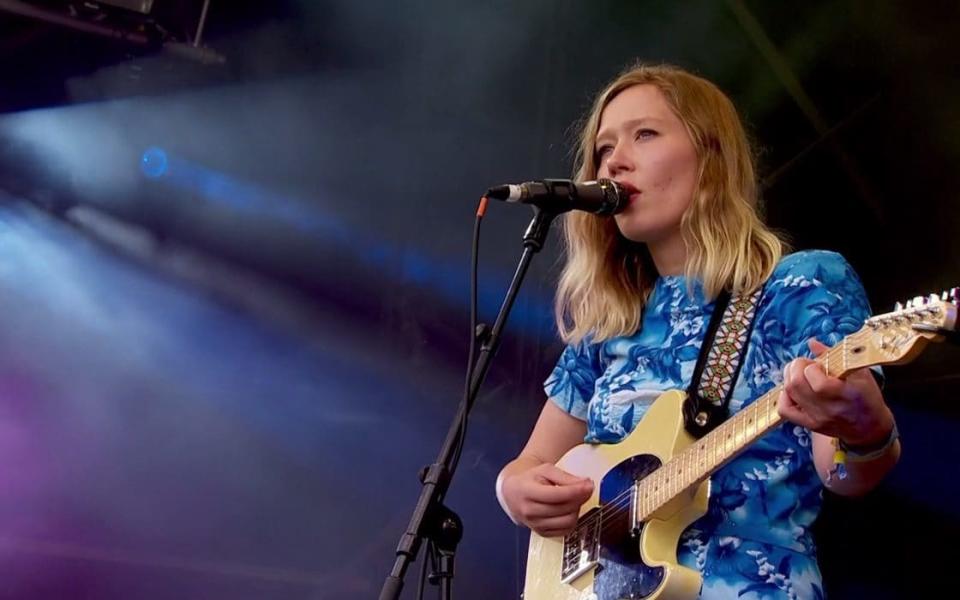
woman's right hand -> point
(546, 498)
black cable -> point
(475, 251)
(429, 551)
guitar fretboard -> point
(696, 462)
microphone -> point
(602, 197)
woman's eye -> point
(603, 151)
(646, 134)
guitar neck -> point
(711, 452)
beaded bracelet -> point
(842, 452)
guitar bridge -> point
(581, 549)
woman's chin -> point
(632, 232)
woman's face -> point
(644, 146)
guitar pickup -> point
(635, 521)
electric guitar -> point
(654, 483)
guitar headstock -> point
(898, 337)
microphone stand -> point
(431, 519)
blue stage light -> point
(154, 162)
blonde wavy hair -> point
(607, 278)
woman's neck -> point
(669, 255)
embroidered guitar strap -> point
(721, 356)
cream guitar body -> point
(627, 563)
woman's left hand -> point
(851, 409)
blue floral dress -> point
(755, 541)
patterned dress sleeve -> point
(812, 294)
(816, 294)
(572, 382)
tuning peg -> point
(955, 293)
(931, 299)
(899, 306)
(945, 296)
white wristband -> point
(503, 503)
(861, 454)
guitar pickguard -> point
(622, 573)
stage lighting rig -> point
(175, 26)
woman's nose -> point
(619, 160)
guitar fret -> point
(718, 449)
(678, 475)
(844, 354)
(708, 454)
(651, 495)
(668, 485)
(664, 492)
(671, 482)
(682, 470)
(702, 457)
(662, 495)
(731, 440)
(679, 472)
(711, 453)
(727, 441)
(742, 438)
(657, 485)
(653, 490)
(721, 446)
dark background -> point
(221, 382)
